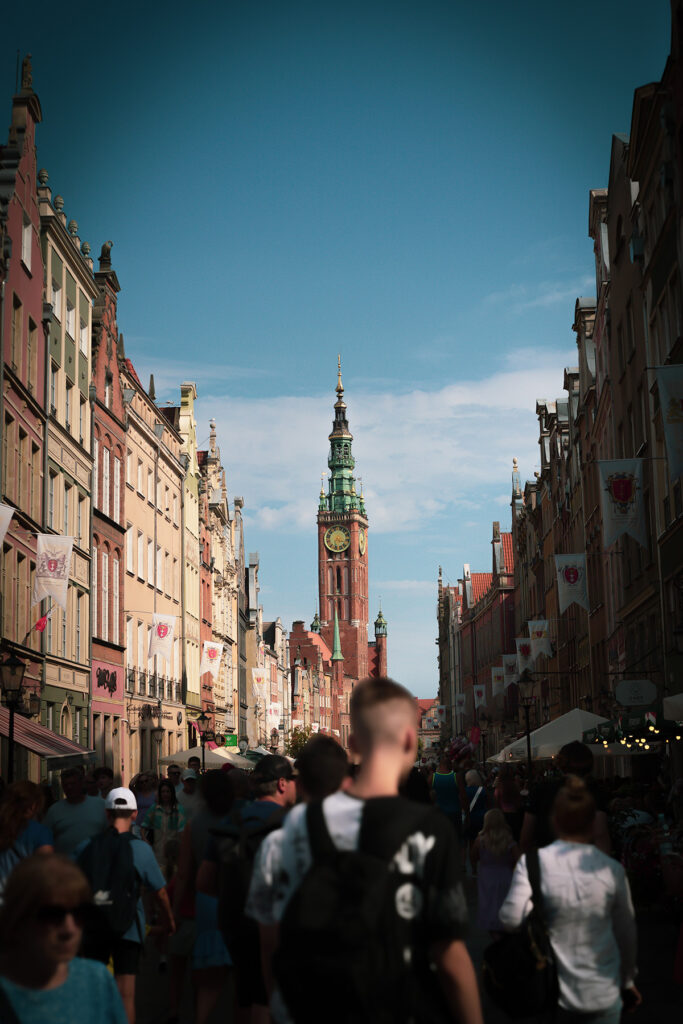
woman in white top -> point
(589, 914)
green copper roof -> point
(336, 647)
(380, 625)
(315, 625)
(341, 496)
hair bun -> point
(575, 787)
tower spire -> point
(336, 645)
(342, 496)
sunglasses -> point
(55, 914)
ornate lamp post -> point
(203, 722)
(12, 681)
(527, 700)
(243, 744)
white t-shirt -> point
(72, 823)
(590, 920)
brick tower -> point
(343, 551)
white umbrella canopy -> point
(547, 741)
(212, 758)
(673, 707)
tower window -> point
(339, 580)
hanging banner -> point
(525, 657)
(273, 715)
(497, 680)
(571, 581)
(315, 726)
(6, 513)
(211, 658)
(297, 723)
(540, 638)
(621, 491)
(258, 683)
(161, 638)
(460, 701)
(53, 566)
(510, 673)
(670, 386)
(479, 695)
(441, 712)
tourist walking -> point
(450, 795)
(164, 821)
(41, 927)
(495, 854)
(78, 816)
(21, 834)
(588, 911)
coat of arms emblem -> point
(571, 575)
(162, 630)
(622, 489)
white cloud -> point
(519, 298)
(422, 455)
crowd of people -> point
(355, 870)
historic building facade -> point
(109, 734)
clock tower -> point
(343, 550)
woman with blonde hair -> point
(20, 833)
(496, 853)
(588, 912)
(41, 927)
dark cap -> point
(271, 768)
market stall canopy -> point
(212, 758)
(58, 751)
(673, 707)
(547, 741)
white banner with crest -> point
(273, 715)
(479, 695)
(258, 683)
(53, 566)
(161, 638)
(540, 638)
(460, 702)
(621, 493)
(497, 680)
(211, 658)
(6, 513)
(670, 386)
(525, 655)
(510, 673)
(571, 581)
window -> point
(81, 420)
(160, 569)
(15, 341)
(129, 640)
(150, 562)
(68, 405)
(93, 591)
(140, 477)
(81, 519)
(67, 504)
(70, 319)
(57, 298)
(141, 645)
(52, 483)
(150, 661)
(64, 632)
(53, 388)
(116, 510)
(105, 596)
(115, 601)
(150, 485)
(175, 509)
(141, 556)
(107, 390)
(83, 336)
(79, 600)
(129, 468)
(106, 494)
(26, 243)
(31, 355)
(129, 548)
(95, 473)
(36, 466)
(49, 713)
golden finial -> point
(360, 481)
(340, 386)
(322, 485)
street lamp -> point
(12, 681)
(243, 744)
(526, 698)
(203, 722)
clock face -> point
(337, 538)
(361, 541)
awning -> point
(673, 707)
(212, 758)
(58, 751)
(547, 741)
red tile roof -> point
(426, 703)
(508, 552)
(131, 370)
(481, 581)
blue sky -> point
(402, 182)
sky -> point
(405, 183)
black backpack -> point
(342, 924)
(520, 971)
(107, 862)
(238, 842)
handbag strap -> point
(476, 797)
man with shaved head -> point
(367, 845)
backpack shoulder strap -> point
(533, 867)
(322, 846)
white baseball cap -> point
(189, 774)
(121, 799)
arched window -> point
(65, 722)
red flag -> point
(42, 623)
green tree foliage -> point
(298, 740)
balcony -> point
(142, 682)
(130, 680)
(152, 685)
